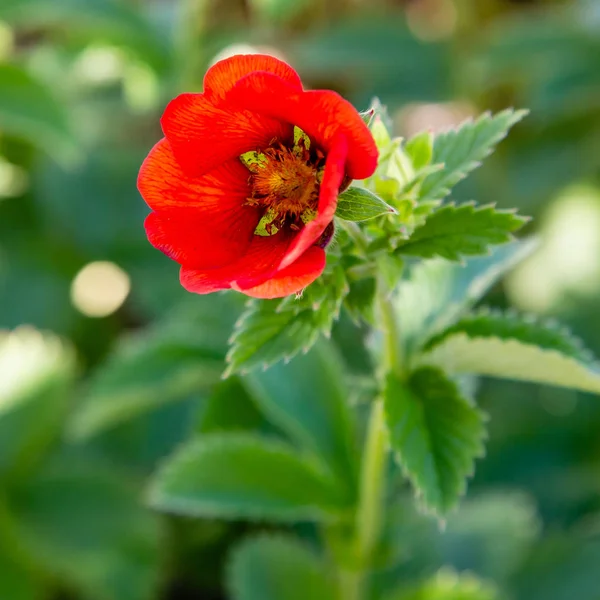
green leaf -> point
(452, 232)
(463, 149)
(525, 351)
(38, 370)
(359, 204)
(307, 399)
(236, 475)
(271, 330)
(165, 363)
(527, 329)
(17, 581)
(28, 109)
(74, 516)
(436, 435)
(278, 568)
(360, 299)
(491, 534)
(447, 585)
(420, 149)
(438, 292)
(229, 407)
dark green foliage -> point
(82, 87)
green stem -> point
(392, 349)
(371, 504)
(356, 235)
(372, 487)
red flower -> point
(244, 185)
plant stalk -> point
(371, 504)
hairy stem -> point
(371, 509)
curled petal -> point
(222, 76)
(202, 135)
(328, 193)
(292, 279)
(322, 114)
(190, 240)
(260, 263)
(202, 222)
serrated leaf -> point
(436, 293)
(29, 110)
(447, 585)
(307, 399)
(452, 232)
(436, 435)
(278, 568)
(239, 475)
(359, 204)
(511, 358)
(463, 149)
(180, 355)
(272, 330)
(37, 372)
(509, 325)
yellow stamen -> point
(285, 181)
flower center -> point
(285, 181)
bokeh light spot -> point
(568, 259)
(434, 117)
(99, 289)
(13, 180)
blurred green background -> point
(113, 364)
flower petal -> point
(260, 262)
(328, 193)
(292, 279)
(202, 135)
(188, 238)
(202, 222)
(322, 114)
(164, 185)
(222, 76)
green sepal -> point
(254, 160)
(360, 204)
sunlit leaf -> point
(452, 232)
(447, 585)
(37, 371)
(463, 149)
(436, 293)
(516, 356)
(510, 325)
